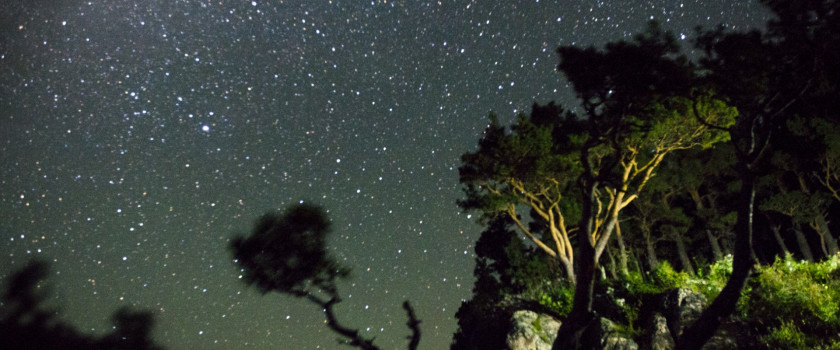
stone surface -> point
(681, 308)
(612, 340)
(674, 311)
(532, 331)
(661, 338)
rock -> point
(612, 340)
(681, 308)
(661, 338)
(670, 314)
(532, 331)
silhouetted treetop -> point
(287, 252)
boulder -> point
(532, 331)
(670, 314)
(611, 339)
(682, 307)
(679, 309)
(661, 338)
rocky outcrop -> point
(611, 339)
(668, 315)
(661, 338)
(679, 308)
(532, 331)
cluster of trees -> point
(26, 323)
(677, 160)
(672, 160)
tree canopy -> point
(287, 253)
(673, 152)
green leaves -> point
(799, 298)
(527, 161)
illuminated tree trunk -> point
(611, 256)
(829, 244)
(713, 242)
(684, 259)
(781, 242)
(622, 251)
(804, 247)
(570, 334)
(650, 251)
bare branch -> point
(413, 324)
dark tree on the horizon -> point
(286, 253)
(25, 323)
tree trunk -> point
(694, 337)
(684, 259)
(569, 267)
(829, 244)
(622, 250)
(570, 334)
(611, 256)
(804, 247)
(713, 241)
(778, 236)
(650, 252)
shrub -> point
(715, 278)
(786, 336)
(558, 298)
(665, 278)
(796, 304)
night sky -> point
(138, 137)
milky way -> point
(138, 137)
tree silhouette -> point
(26, 324)
(286, 253)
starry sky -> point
(138, 137)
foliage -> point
(797, 301)
(790, 336)
(532, 166)
(787, 305)
(711, 280)
(558, 298)
(665, 277)
(661, 279)
(786, 336)
(286, 253)
(506, 271)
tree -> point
(286, 253)
(132, 329)
(532, 166)
(25, 323)
(768, 77)
(639, 108)
(505, 270)
(656, 211)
